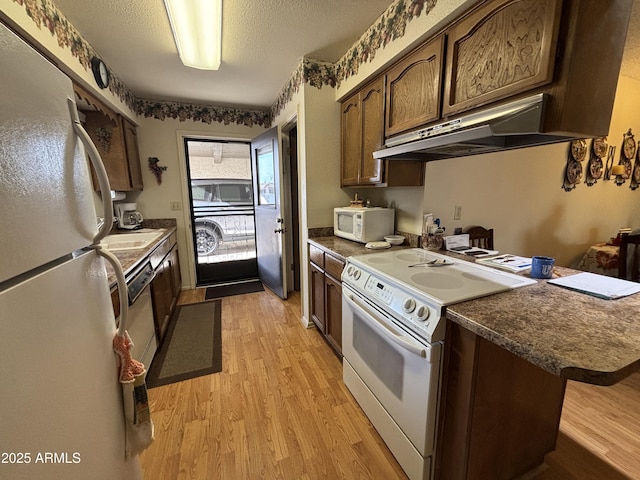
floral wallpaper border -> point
(313, 72)
(202, 113)
(390, 26)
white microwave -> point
(363, 224)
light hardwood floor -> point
(279, 410)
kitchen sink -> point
(131, 241)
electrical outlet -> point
(175, 206)
(457, 214)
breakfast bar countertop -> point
(570, 334)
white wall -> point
(318, 123)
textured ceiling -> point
(631, 58)
(263, 42)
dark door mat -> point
(192, 346)
(234, 289)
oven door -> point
(401, 371)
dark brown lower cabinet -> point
(499, 414)
(333, 320)
(165, 287)
(326, 295)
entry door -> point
(221, 203)
(268, 204)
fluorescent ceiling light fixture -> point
(197, 30)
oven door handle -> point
(387, 331)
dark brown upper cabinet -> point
(413, 88)
(504, 48)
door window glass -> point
(266, 176)
(222, 210)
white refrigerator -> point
(61, 404)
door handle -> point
(280, 230)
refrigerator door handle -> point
(101, 173)
(123, 295)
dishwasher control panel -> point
(138, 280)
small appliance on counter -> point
(127, 215)
(363, 224)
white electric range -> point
(393, 306)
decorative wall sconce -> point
(622, 171)
(156, 169)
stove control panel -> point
(379, 290)
(407, 307)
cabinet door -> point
(132, 153)
(483, 386)
(504, 48)
(317, 296)
(333, 312)
(351, 144)
(372, 115)
(413, 89)
(106, 134)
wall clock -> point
(100, 72)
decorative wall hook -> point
(156, 169)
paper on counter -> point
(601, 286)
(460, 244)
(512, 263)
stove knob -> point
(349, 270)
(356, 274)
(423, 313)
(408, 305)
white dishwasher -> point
(140, 324)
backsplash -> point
(411, 239)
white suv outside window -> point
(223, 211)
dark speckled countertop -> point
(342, 248)
(570, 334)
